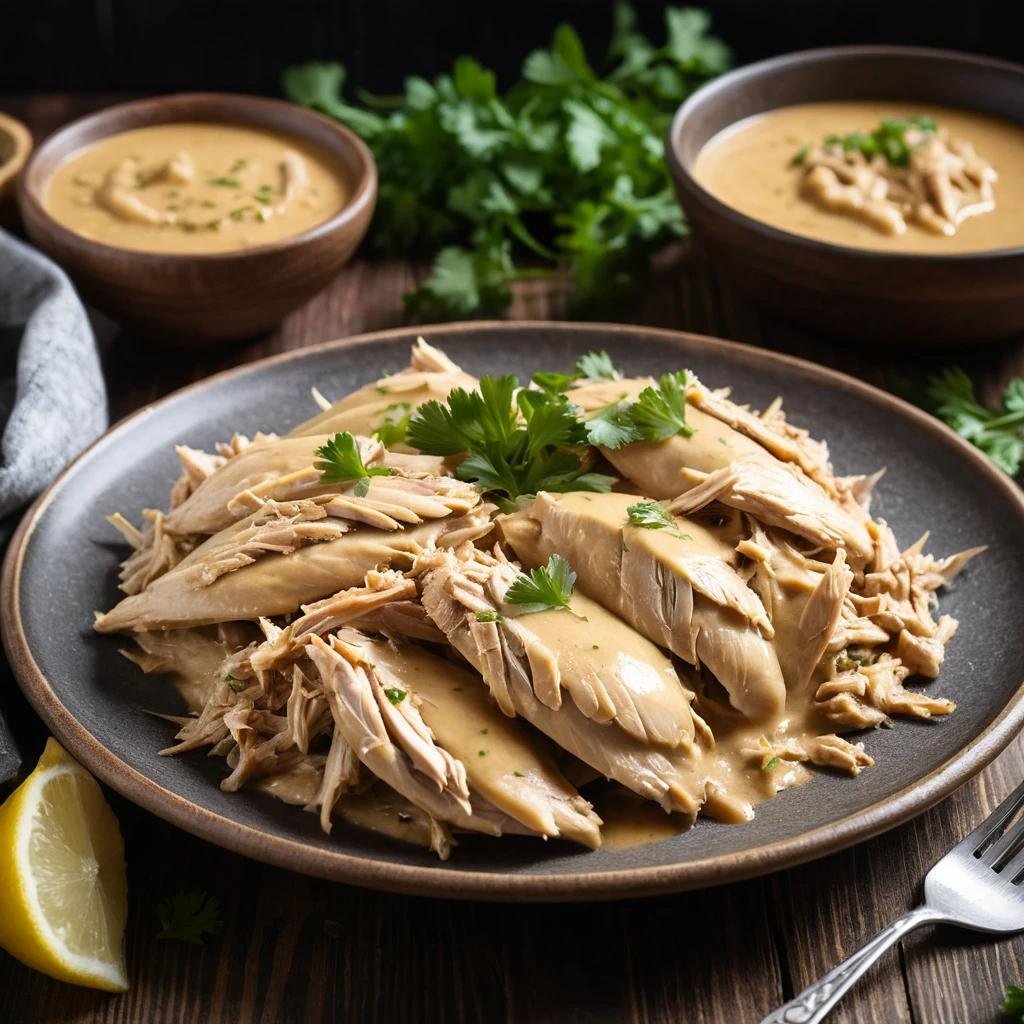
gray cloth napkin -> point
(52, 399)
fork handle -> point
(811, 1005)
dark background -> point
(242, 45)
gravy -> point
(749, 166)
(195, 188)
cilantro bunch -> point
(563, 173)
(998, 433)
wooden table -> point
(299, 950)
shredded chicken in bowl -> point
(446, 606)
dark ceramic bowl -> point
(209, 297)
(903, 297)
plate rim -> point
(436, 881)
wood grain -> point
(299, 950)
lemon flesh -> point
(62, 876)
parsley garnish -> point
(565, 170)
(772, 762)
(998, 433)
(515, 442)
(225, 182)
(593, 366)
(612, 426)
(544, 588)
(1014, 1002)
(394, 424)
(888, 139)
(488, 617)
(339, 461)
(394, 695)
(519, 775)
(238, 165)
(190, 915)
(650, 515)
(660, 412)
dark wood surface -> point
(299, 950)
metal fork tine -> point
(1003, 847)
(1014, 868)
(995, 822)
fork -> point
(974, 886)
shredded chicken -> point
(354, 646)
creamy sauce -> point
(196, 188)
(749, 166)
(629, 820)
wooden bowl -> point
(905, 297)
(15, 146)
(190, 298)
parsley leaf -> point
(394, 695)
(611, 427)
(650, 515)
(771, 763)
(515, 441)
(565, 171)
(660, 412)
(1014, 1001)
(394, 424)
(998, 433)
(888, 140)
(339, 461)
(190, 915)
(488, 617)
(543, 588)
(593, 366)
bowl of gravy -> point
(874, 192)
(200, 217)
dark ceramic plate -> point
(63, 563)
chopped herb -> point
(225, 182)
(515, 441)
(484, 731)
(340, 461)
(801, 154)
(611, 427)
(190, 915)
(544, 588)
(481, 753)
(236, 685)
(229, 678)
(394, 695)
(596, 647)
(650, 515)
(998, 433)
(519, 775)
(237, 166)
(887, 140)
(660, 412)
(239, 213)
(772, 762)
(362, 487)
(625, 546)
(207, 204)
(213, 225)
(394, 424)
(488, 617)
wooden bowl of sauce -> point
(200, 217)
(871, 254)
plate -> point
(63, 564)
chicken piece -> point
(628, 716)
(504, 766)
(116, 196)
(284, 470)
(293, 177)
(673, 585)
(430, 376)
(277, 584)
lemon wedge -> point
(62, 876)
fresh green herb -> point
(772, 762)
(593, 366)
(484, 732)
(237, 166)
(488, 617)
(236, 685)
(239, 213)
(519, 775)
(998, 433)
(660, 412)
(566, 171)
(394, 695)
(213, 225)
(625, 547)
(225, 182)
(394, 424)
(339, 461)
(889, 140)
(801, 154)
(612, 427)
(1014, 1004)
(554, 383)
(481, 753)
(650, 515)
(515, 440)
(229, 678)
(190, 915)
(543, 588)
